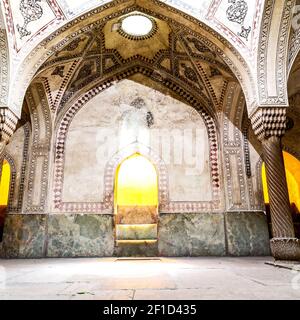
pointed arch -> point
(136, 182)
(148, 153)
(106, 206)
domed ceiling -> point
(28, 22)
(104, 52)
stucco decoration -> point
(234, 164)
(28, 20)
(4, 69)
(95, 97)
(294, 39)
(31, 11)
(239, 20)
(37, 187)
(273, 55)
(17, 155)
(237, 12)
(175, 53)
(153, 8)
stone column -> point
(8, 123)
(269, 126)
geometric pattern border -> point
(106, 207)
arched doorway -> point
(136, 207)
(4, 193)
(292, 170)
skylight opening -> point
(137, 25)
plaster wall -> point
(109, 123)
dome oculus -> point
(137, 27)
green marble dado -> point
(136, 248)
(191, 234)
(80, 235)
(181, 234)
(247, 234)
(24, 236)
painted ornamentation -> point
(31, 11)
(237, 12)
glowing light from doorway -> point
(136, 182)
(4, 184)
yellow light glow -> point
(292, 170)
(4, 184)
(264, 183)
(136, 182)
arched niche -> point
(89, 134)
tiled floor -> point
(165, 278)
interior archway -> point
(178, 89)
(136, 182)
(136, 205)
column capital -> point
(268, 122)
(8, 123)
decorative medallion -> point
(237, 12)
(58, 71)
(31, 11)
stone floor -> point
(165, 278)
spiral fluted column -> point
(269, 126)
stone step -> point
(136, 248)
(136, 231)
(136, 215)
